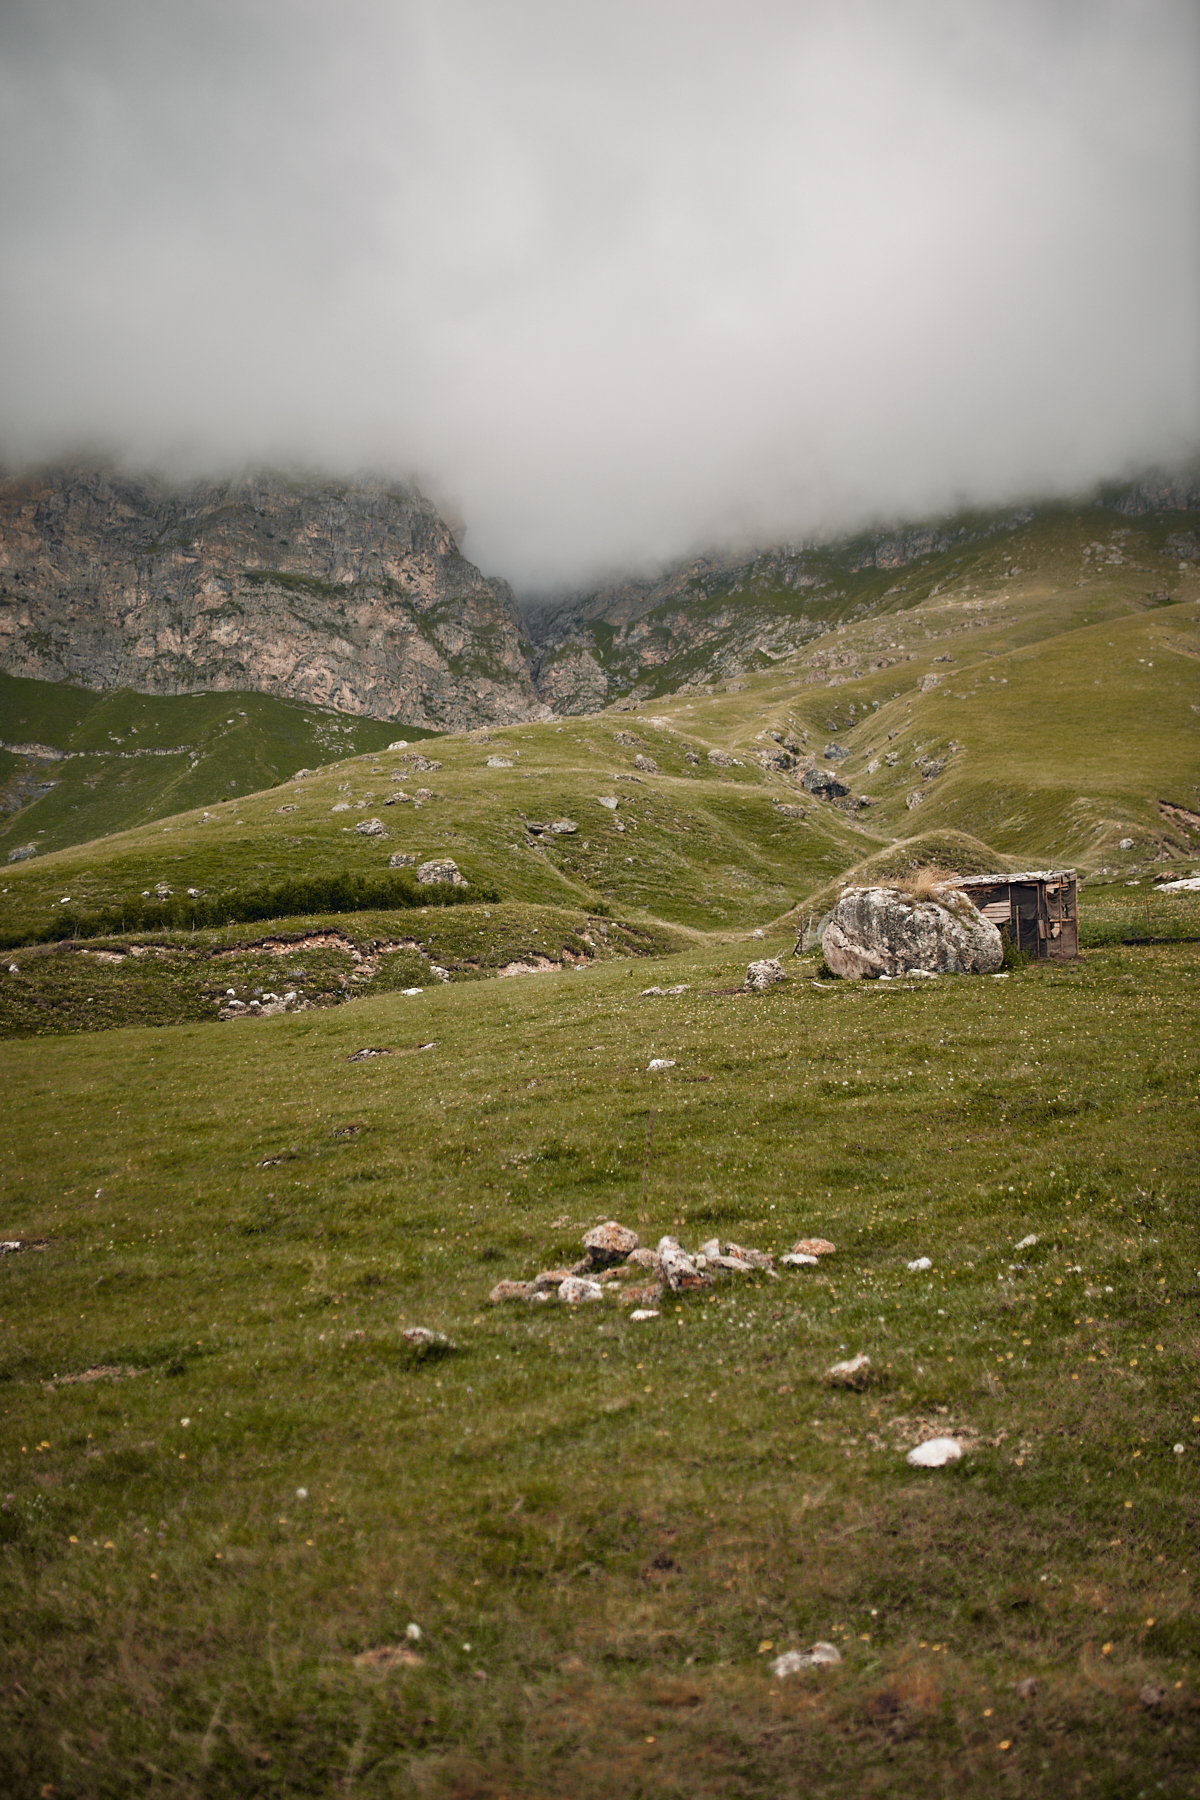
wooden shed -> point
(1038, 909)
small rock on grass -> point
(918, 1265)
(763, 975)
(813, 1246)
(796, 1260)
(644, 1312)
(1026, 1688)
(609, 1243)
(935, 1453)
(389, 1656)
(576, 1291)
(544, 1281)
(680, 1271)
(510, 1290)
(1149, 1695)
(650, 1295)
(644, 1258)
(423, 1341)
(793, 1661)
(661, 1062)
(853, 1374)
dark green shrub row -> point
(396, 890)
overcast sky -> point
(616, 280)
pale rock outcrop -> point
(881, 931)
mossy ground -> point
(600, 1525)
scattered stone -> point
(193, 893)
(511, 1290)
(757, 1259)
(661, 1062)
(12, 1246)
(423, 1341)
(646, 764)
(927, 682)
(402, 859)
(792, 1662)
(914, 799)
(1125, 844)
(918, 1265)
(1026, 1243)
(796, 1259)
(935, 1453)
(340, 806)
(823, 784)
(409, 992)
(881, 931)
(689, 756)
(1026, 1688)
(791, 812)
(13, 969)
(762, 975)
(681, 1273)
(625, 737)
(648, 1295)
(387, 1657)
(563, 828)
(835, 752)
(441, 869)
(22, 852)
(371, 1050)
(853, 1374)
(644, 1258)
(576, 1291)
(814, 1246)
(548, 1279)
(609, 1243)
(609, 800)
(720, 759)
(1149, 1695)
(643, 1312)
(499, 762)
(681, 987)
(370, 828)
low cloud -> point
(617, 281)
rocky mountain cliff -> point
(352, 595)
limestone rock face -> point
(349, 595)
(879, 931)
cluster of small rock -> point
(616, 1264)
(265, 1007)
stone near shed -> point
(881, 931)
(763, 975)
(680, 1272)
(441, 869)
(646, 764)
(23, 850)
(576, 1291)
(402, 859)
(792, 1662)
(370, 828)
(510, 1290)
(853, 1374)
(609, 1243)
(814, 1246)
(499, 762)
(935, 1453)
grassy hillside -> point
(230, 1487)
(137, 757)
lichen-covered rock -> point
(644, 1258)
(679, 1271)
(609, 1243)
(511, 1290)
(762, 975)
(853, 1374)
(576, 1291)
(649, 1294)
(441, 869)
(371, 828)
(881, 931)
(814, 1246)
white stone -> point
(648, 1312)
(920, 1263)
(792, 1662)
(795, 1259)
(575, 1290)
(661, 1062)
(1026, 1243)
(935, 1453)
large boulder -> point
(881, 931)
